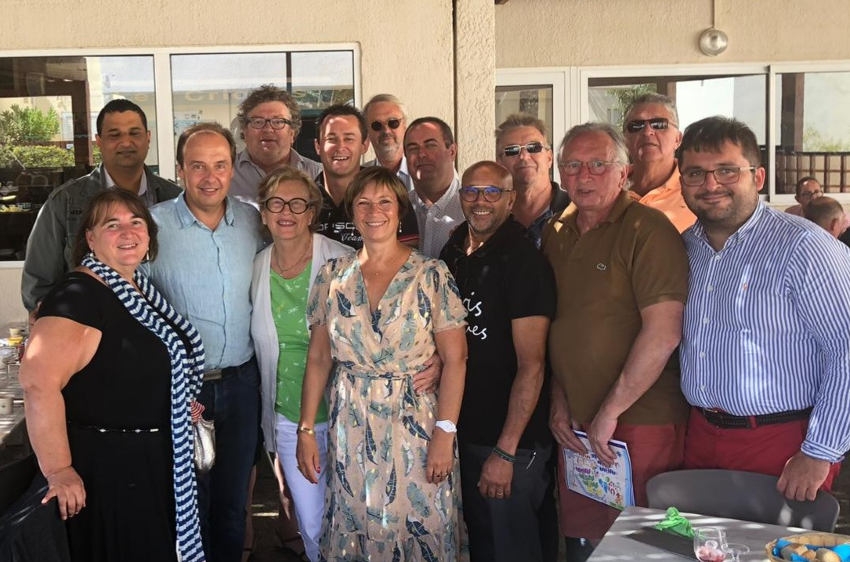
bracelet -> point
(504, 455)
(305, 429)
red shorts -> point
(653, 449)
(764, 449)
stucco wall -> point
(535, 33)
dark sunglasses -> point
(391, 123)
(531, 148)
(656, 123)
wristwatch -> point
(447, 426)
(305, 429)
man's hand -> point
(561, 425)
(600, 431)
(802, 477)
(495, 479)
(428, 380)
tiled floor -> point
(267, 547)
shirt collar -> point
(743, 231)
(187, 218)
(110, 183)
(570, 215)
(447, 197)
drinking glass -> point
(709, 543)
(734, 551)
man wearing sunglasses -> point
(522, 148)
(387, 122)
(765, 346)
(622, 273)
(503, 437)
(652, 135)
(271, 120)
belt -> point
(114, 429)
(723, 420)
(213, 375)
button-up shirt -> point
(206, 275)
(437, 220)
(765, 328)
(403, 173)
(247, 175)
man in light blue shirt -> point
(207, 243)
(765, 352)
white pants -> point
(309, 498)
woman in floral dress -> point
(376, 318)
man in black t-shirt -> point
(509, 292)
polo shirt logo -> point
(601, 266)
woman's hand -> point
(440, 456)
(307, 453)
(67, 487)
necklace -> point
(276, 265)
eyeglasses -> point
(656, 123)
(516, 149)
(594, 167)
(391, 123)
(277, 123)
(276, 205)
(471, 193)
(724, 175)
(810, 194)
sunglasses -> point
(656, 123)
(391, 123)
(531, 148)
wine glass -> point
(734, 551)
(709, 543)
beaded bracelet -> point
(504, 455)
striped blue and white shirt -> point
(766, 326)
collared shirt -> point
(206, 275)
(247, 175)
(560, 200)
(403, 174)
(605, 277)
(668, 199)
(149, 197)
(437, 220)
(765, 327)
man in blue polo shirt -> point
(509, 290)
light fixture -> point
(712, 41)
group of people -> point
(408, 340)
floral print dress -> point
(379, 504)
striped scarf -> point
(187, 368)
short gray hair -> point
(520, 120)
(653, 98)
(621, 152)
(386, 98)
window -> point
(49, 105)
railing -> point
(831, 169)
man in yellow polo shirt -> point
(621, 272)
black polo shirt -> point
(506, 278)
(335, 223)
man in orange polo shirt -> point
(621, 272)
(651, 128)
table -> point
(617, 546)
(12, 427)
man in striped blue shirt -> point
(765, 352)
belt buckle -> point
(212, 375)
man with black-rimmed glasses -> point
(651, 129)
(271, 120)
(522, 147)
(387, 120)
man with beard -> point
(270, 120)
(387, 121)
(123, 138)
(522, 148)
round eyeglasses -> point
(595, 167)
(725, 175)
(391, 124)
(296, 206)
(276, 123)
(491, 193)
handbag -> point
(204, 434)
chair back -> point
(15, 478)
(742, 495)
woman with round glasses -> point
(376, 318)
(283, 276)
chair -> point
(15, 478)
(740, 495)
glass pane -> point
(533, 100)
(814, 130)
(48, 111)
(210, 87)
